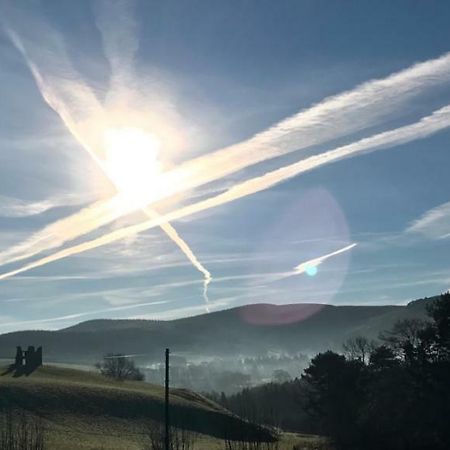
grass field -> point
(84, 410)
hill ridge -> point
(245, 330)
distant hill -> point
(109, 324)
(78, 405)
(247, 330)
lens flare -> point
(311, 270)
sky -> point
(165, 159)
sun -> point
(132, 162)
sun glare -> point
(132, 162)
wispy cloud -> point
(434, 223)
(16, 208)
(13, 207)
(118, 28)
(70, 317)
(57, 233)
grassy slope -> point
(85, 410)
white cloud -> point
(118, 28)
(434, 223)
(15, 208)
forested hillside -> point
(249, 330)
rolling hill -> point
(81, 405)
(248, 330)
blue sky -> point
(203, 76)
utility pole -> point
(166, 404)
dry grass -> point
(83, 410)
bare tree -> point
(403, 332)
(358, 347)
(119, 367)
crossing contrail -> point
(56, 234)
(57, 100)
(366, 105)
(117, 26)
(427, 126)
(333, 117)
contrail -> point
(434, 223)
(337, 116)
(304, 266)
(418, 77)
(331, 118)
(56, 234)
(80, 94)
(118, 30)
(354, 110)
(310, 264)
(334, 117)
(173, 234)
(427, 126)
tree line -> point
(392, 394)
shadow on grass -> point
(18, 371)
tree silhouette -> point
(119, 367)
(395, 397)
(358, 347)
